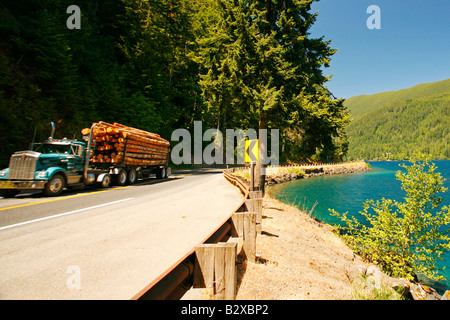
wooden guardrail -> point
(212, 264)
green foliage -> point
(365, 288)
(261, 69)
(142, 112)
(401, 128)
(38, 78)
(394, 125)
(243, 174)
(161, 64)
(364, 104)
(297, 171)
(127, 64)
(406, 237)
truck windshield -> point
(52, 148)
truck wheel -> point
(168, 172)
(9, 193)
(55, 185)
(121, 178)
(106, 181)
(161, 173)
(132, 176)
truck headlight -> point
(42, 174)
(3, 173)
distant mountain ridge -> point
(360, 105)
(395, 124)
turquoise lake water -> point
(348, 192)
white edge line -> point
(63, 214)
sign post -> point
(252, 157)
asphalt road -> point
(107, 243)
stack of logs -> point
(119, 144)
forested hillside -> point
(398, 129)
(361, 105)
(161, 64)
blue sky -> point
(412, 46)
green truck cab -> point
(50, 166)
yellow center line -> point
(90, 193)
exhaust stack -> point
(53, 130)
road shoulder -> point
(298, 258)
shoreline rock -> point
(412, 290)
(276, 175)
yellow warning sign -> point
(252, 150)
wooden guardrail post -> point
(254, 204)
(244, 225)
(215, 269)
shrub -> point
(364, 288)
(404, 237)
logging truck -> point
(110, 154)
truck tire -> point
(168, 172)
(132, 176)
(161, 173)
(121, 178)
(55, 185)
(106, 181)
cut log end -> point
(85, 131)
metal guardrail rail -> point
(178, 279)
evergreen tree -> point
(263, 69)
(155, 59)
(39, 79)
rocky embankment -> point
(282, 174)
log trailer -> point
(111, 153)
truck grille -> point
(22, 165)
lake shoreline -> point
(280, 174)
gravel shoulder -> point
(299, 258)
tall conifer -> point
(262, 68)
